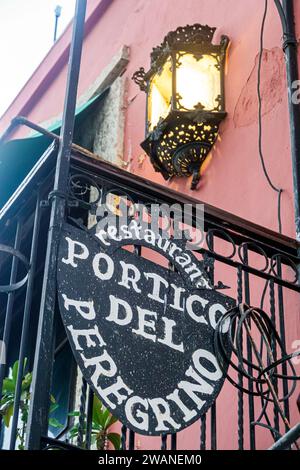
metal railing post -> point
(39, 406)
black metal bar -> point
(240, 376)
(164, 438)
(274, 352)
(249, 358)
(173, 435)
(285, 386)
(288, 439)
(131, 440)
(213, 426)
(41, 384)
(213, 410)
(123, 437)
(26, 322)
(89, 419)
(203, 432)
(250, 270)
(81, 421)
(286, 12)
(60, 346)
(131, 443)
(174, 441)
(10, 301)
(23, 121)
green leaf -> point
(101, 415)
(53, 407)
(8, 414)
(96, 427)
(115, 439)
(55, 423)
(110, 421)
(24, 414)
(8, 385)
(5, 405)
(15, 372)
(52, 399)
(97, 411)
(74, 413)
(26, 382)
(105, 417)
(74, 431)
(6, 399)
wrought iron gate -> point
(253, 265)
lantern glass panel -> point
(198, 82)
(160, 95)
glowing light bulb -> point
(198, 81)
(159, 101)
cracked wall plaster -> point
(273, 88)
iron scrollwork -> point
(243, 319)
(15, 253)
(262, 370)
(139, 78)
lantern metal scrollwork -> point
(185, 100)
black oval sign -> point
(141, 334)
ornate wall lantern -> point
(185, 100)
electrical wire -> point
(260, 149)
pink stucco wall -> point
(234, 179)
(235, 168)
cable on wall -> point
(260, 150)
